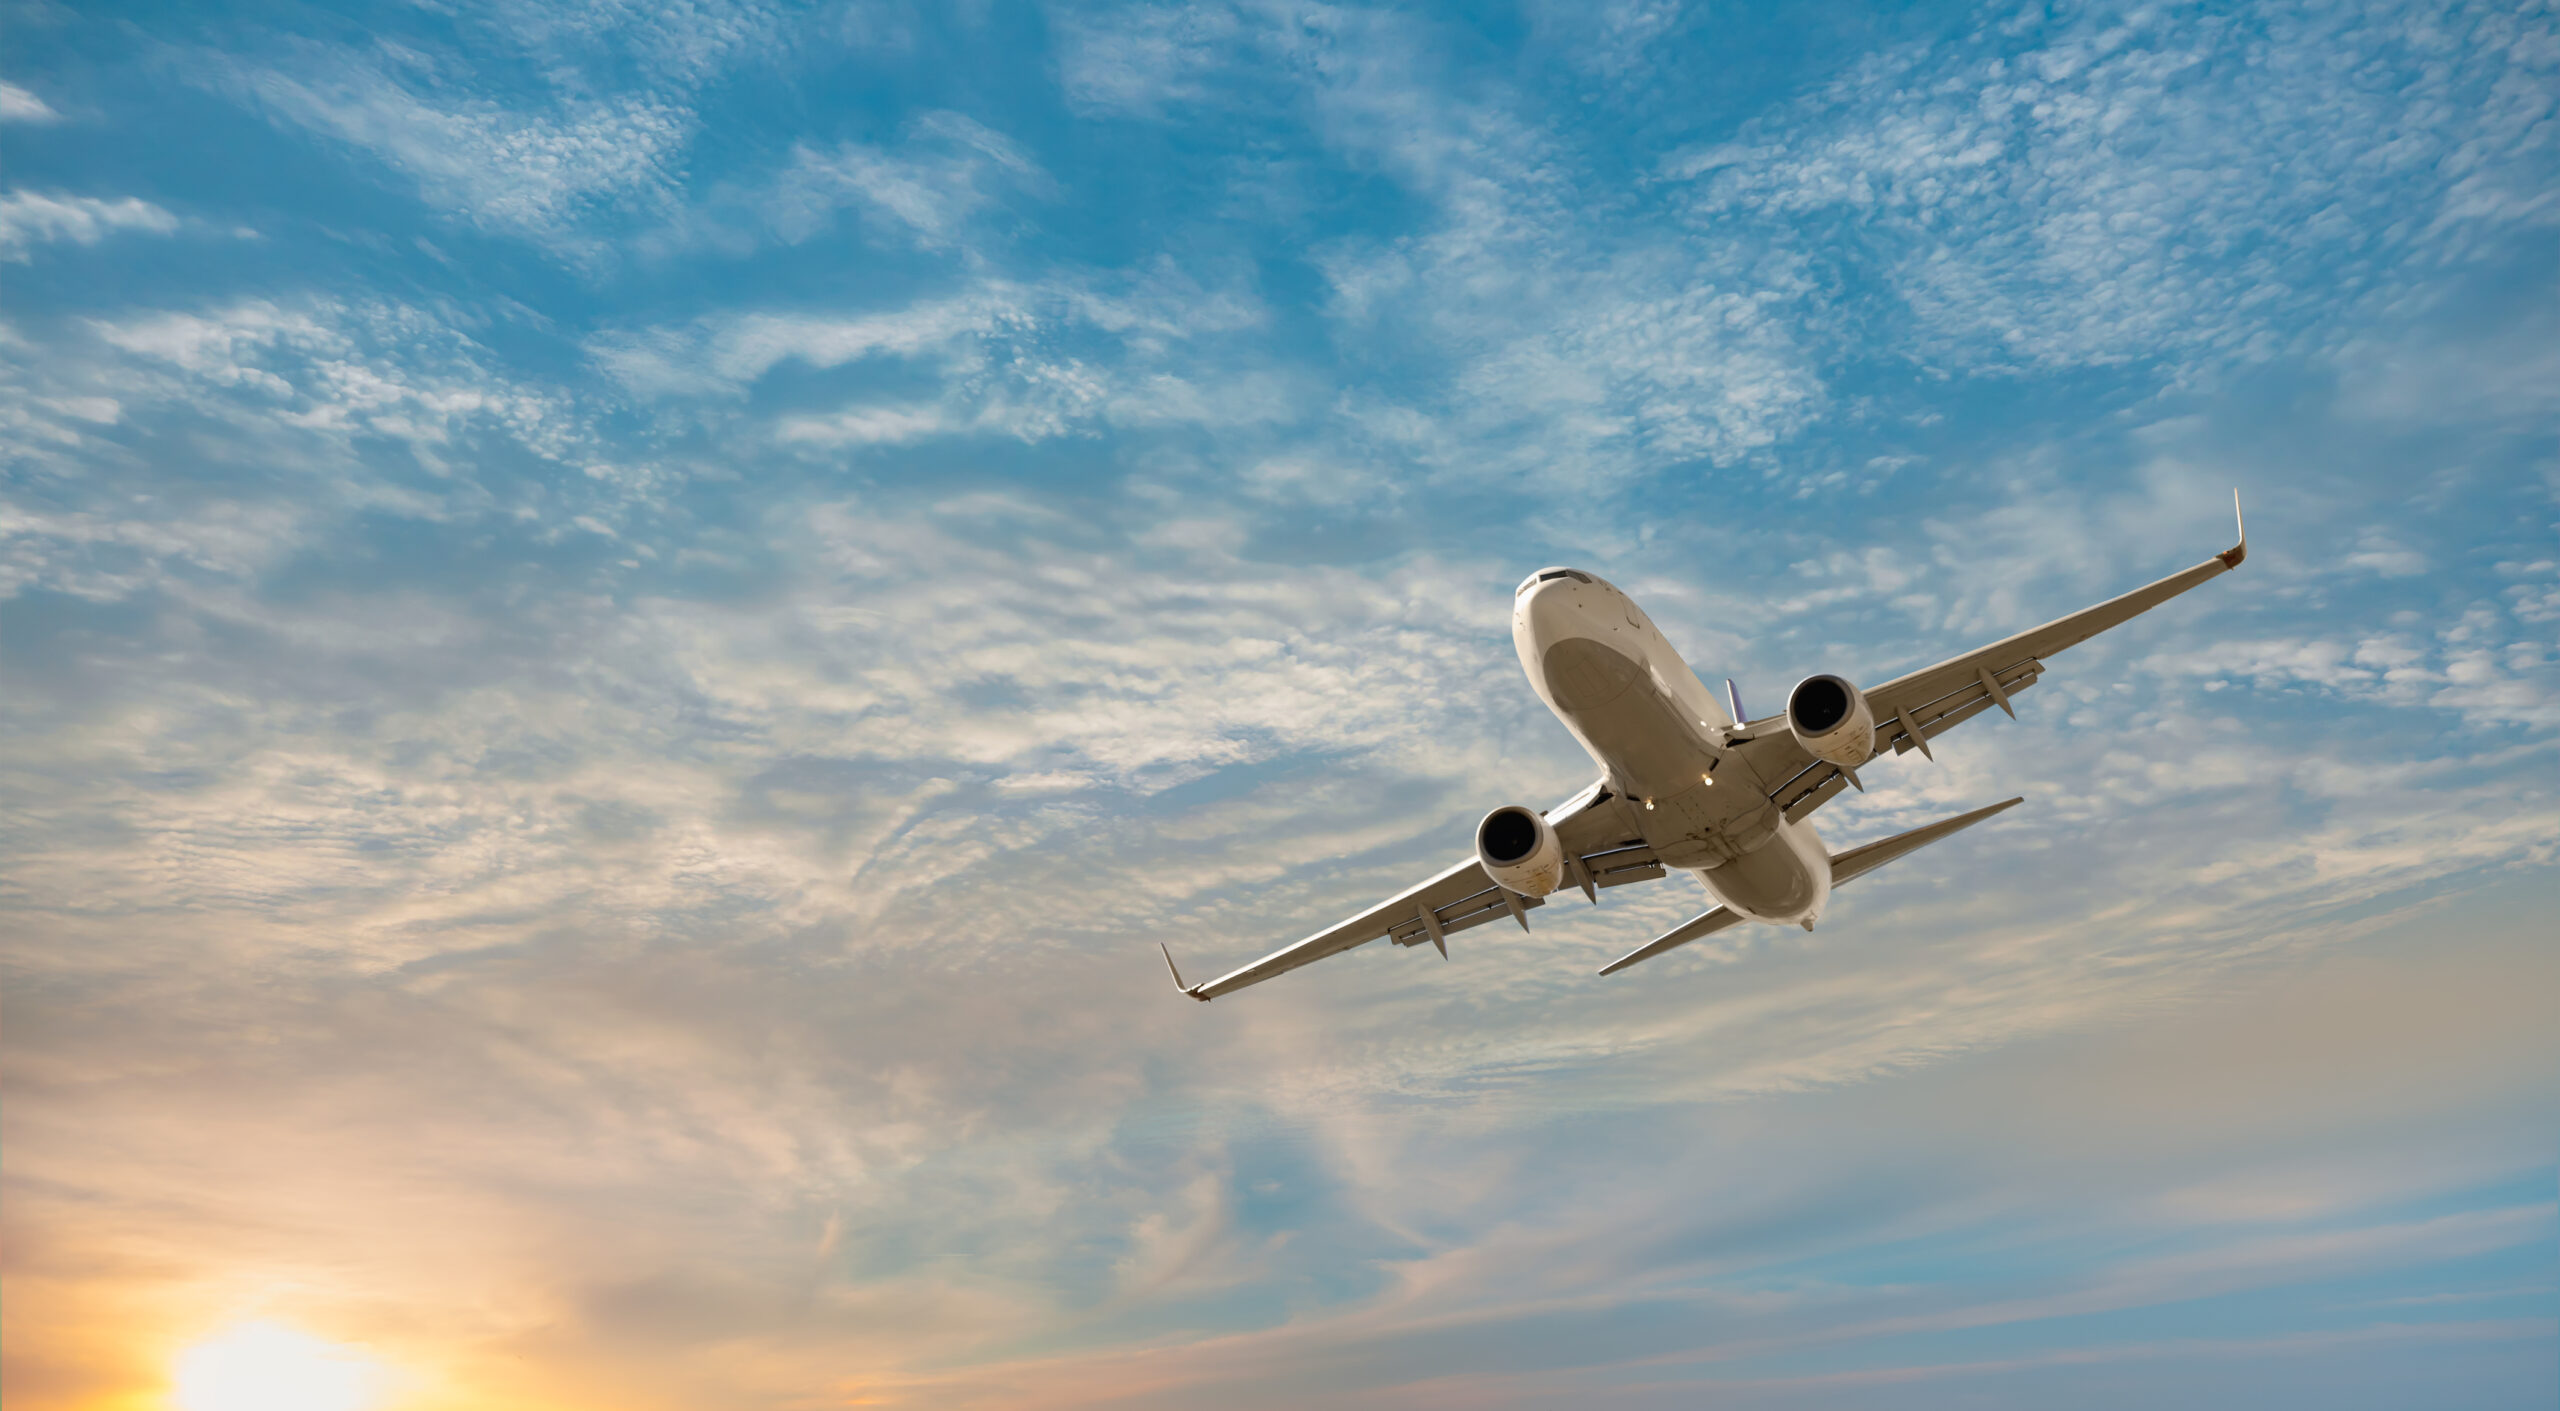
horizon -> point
(626, 628)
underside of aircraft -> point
(1687, 784)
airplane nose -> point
(1550, 610)
(1584, 675)
(1546, 596)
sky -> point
(626, 623)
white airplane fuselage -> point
(1662, 741)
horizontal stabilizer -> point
(1855, 862)
(1679, 935)
(1867, 857)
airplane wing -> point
(1911, 710)
(1603, 848)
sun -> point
(266, 1366)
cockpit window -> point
(1544, 574)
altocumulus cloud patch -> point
(604, 710)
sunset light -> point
(762, 705)
(266, 1366)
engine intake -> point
(1831, 719)
(1520, 850)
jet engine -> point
(1520, 851)
(1831, 720)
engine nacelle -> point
(1520, 850)
(1832, 721)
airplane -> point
(1688, 784)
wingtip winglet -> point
(1190, 990)
(2232, 556)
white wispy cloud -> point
(283, 400)
(19, 105)
(929, 192)
(385, 369)
(30, 218)
(1608, 40)
(1142, 58)
(2124, 185)
(1028, 360)
(1586, 357)
(535, 173)
(595, 141)
(627, 834)
(2486, 667)
(710, 775)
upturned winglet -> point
(1177, 974)
(2232, 556)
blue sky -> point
(626, 623)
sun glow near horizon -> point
(621, 622)
(267, 1366)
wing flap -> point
(1621, 865)
(1474, 909)
(1808, 789)
(1949, 709)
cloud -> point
(384, 369)
(29, 218)
(2475, 668)
(930, 193)
(744, 349)
(1033, 361)
(603, 836)
(290, 408)
(1535, 325)
(2098, 187)
(1607, 41)
(530, 173)
(820, 970)
(561, 123)
(1144, 57)
(19, 105)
